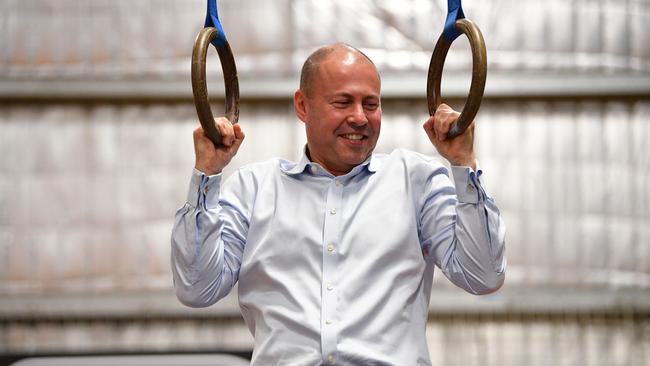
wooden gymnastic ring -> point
(200, 90)
(479, 73)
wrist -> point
(206, 169)
(469, 161)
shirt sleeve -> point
(462, 230)
(208, 240)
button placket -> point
(328, 282)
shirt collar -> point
(372, 164)
(297, 168)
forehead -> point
(347, 70)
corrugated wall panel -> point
(85, 186)
(153, 38)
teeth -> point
(353, 136)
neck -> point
(333, 171)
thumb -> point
(239, 133)
(239, 136)
(429, 128)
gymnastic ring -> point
(479, 73)
(200, 90)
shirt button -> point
(330, 248)
(328, 322)
(330, 359)
(333, 211)
(313, 169)
(206, 189)
(338, 183)
(330, 287)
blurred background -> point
(96, 116)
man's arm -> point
(462, 231)
(209, 234)
(461, 227)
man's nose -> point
(358, 115)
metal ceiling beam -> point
(405, 86)
(445, 300)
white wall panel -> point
(153, 38)
(84, 186)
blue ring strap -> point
(212, 20)
(454, 12)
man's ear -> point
(300, 105)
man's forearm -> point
(203, 272)
(468, 235)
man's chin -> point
(356, 159)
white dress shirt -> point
(337, 270)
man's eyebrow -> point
(350, 96)
(341, 94)
(371, 97)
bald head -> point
(311, 65)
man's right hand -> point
(210, 159)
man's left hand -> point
(458, 150)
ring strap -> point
(454, 13)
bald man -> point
(335, 254)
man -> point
(335, 254)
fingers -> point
(458, 150)
(225, 130)
(211, 159)
(437, 126)
(232, 135)
(444, 117)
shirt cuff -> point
(468, 183)
(204, 189)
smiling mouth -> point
(354, 136)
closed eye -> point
(371, 106)
(341, 103)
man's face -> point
(342, 111)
